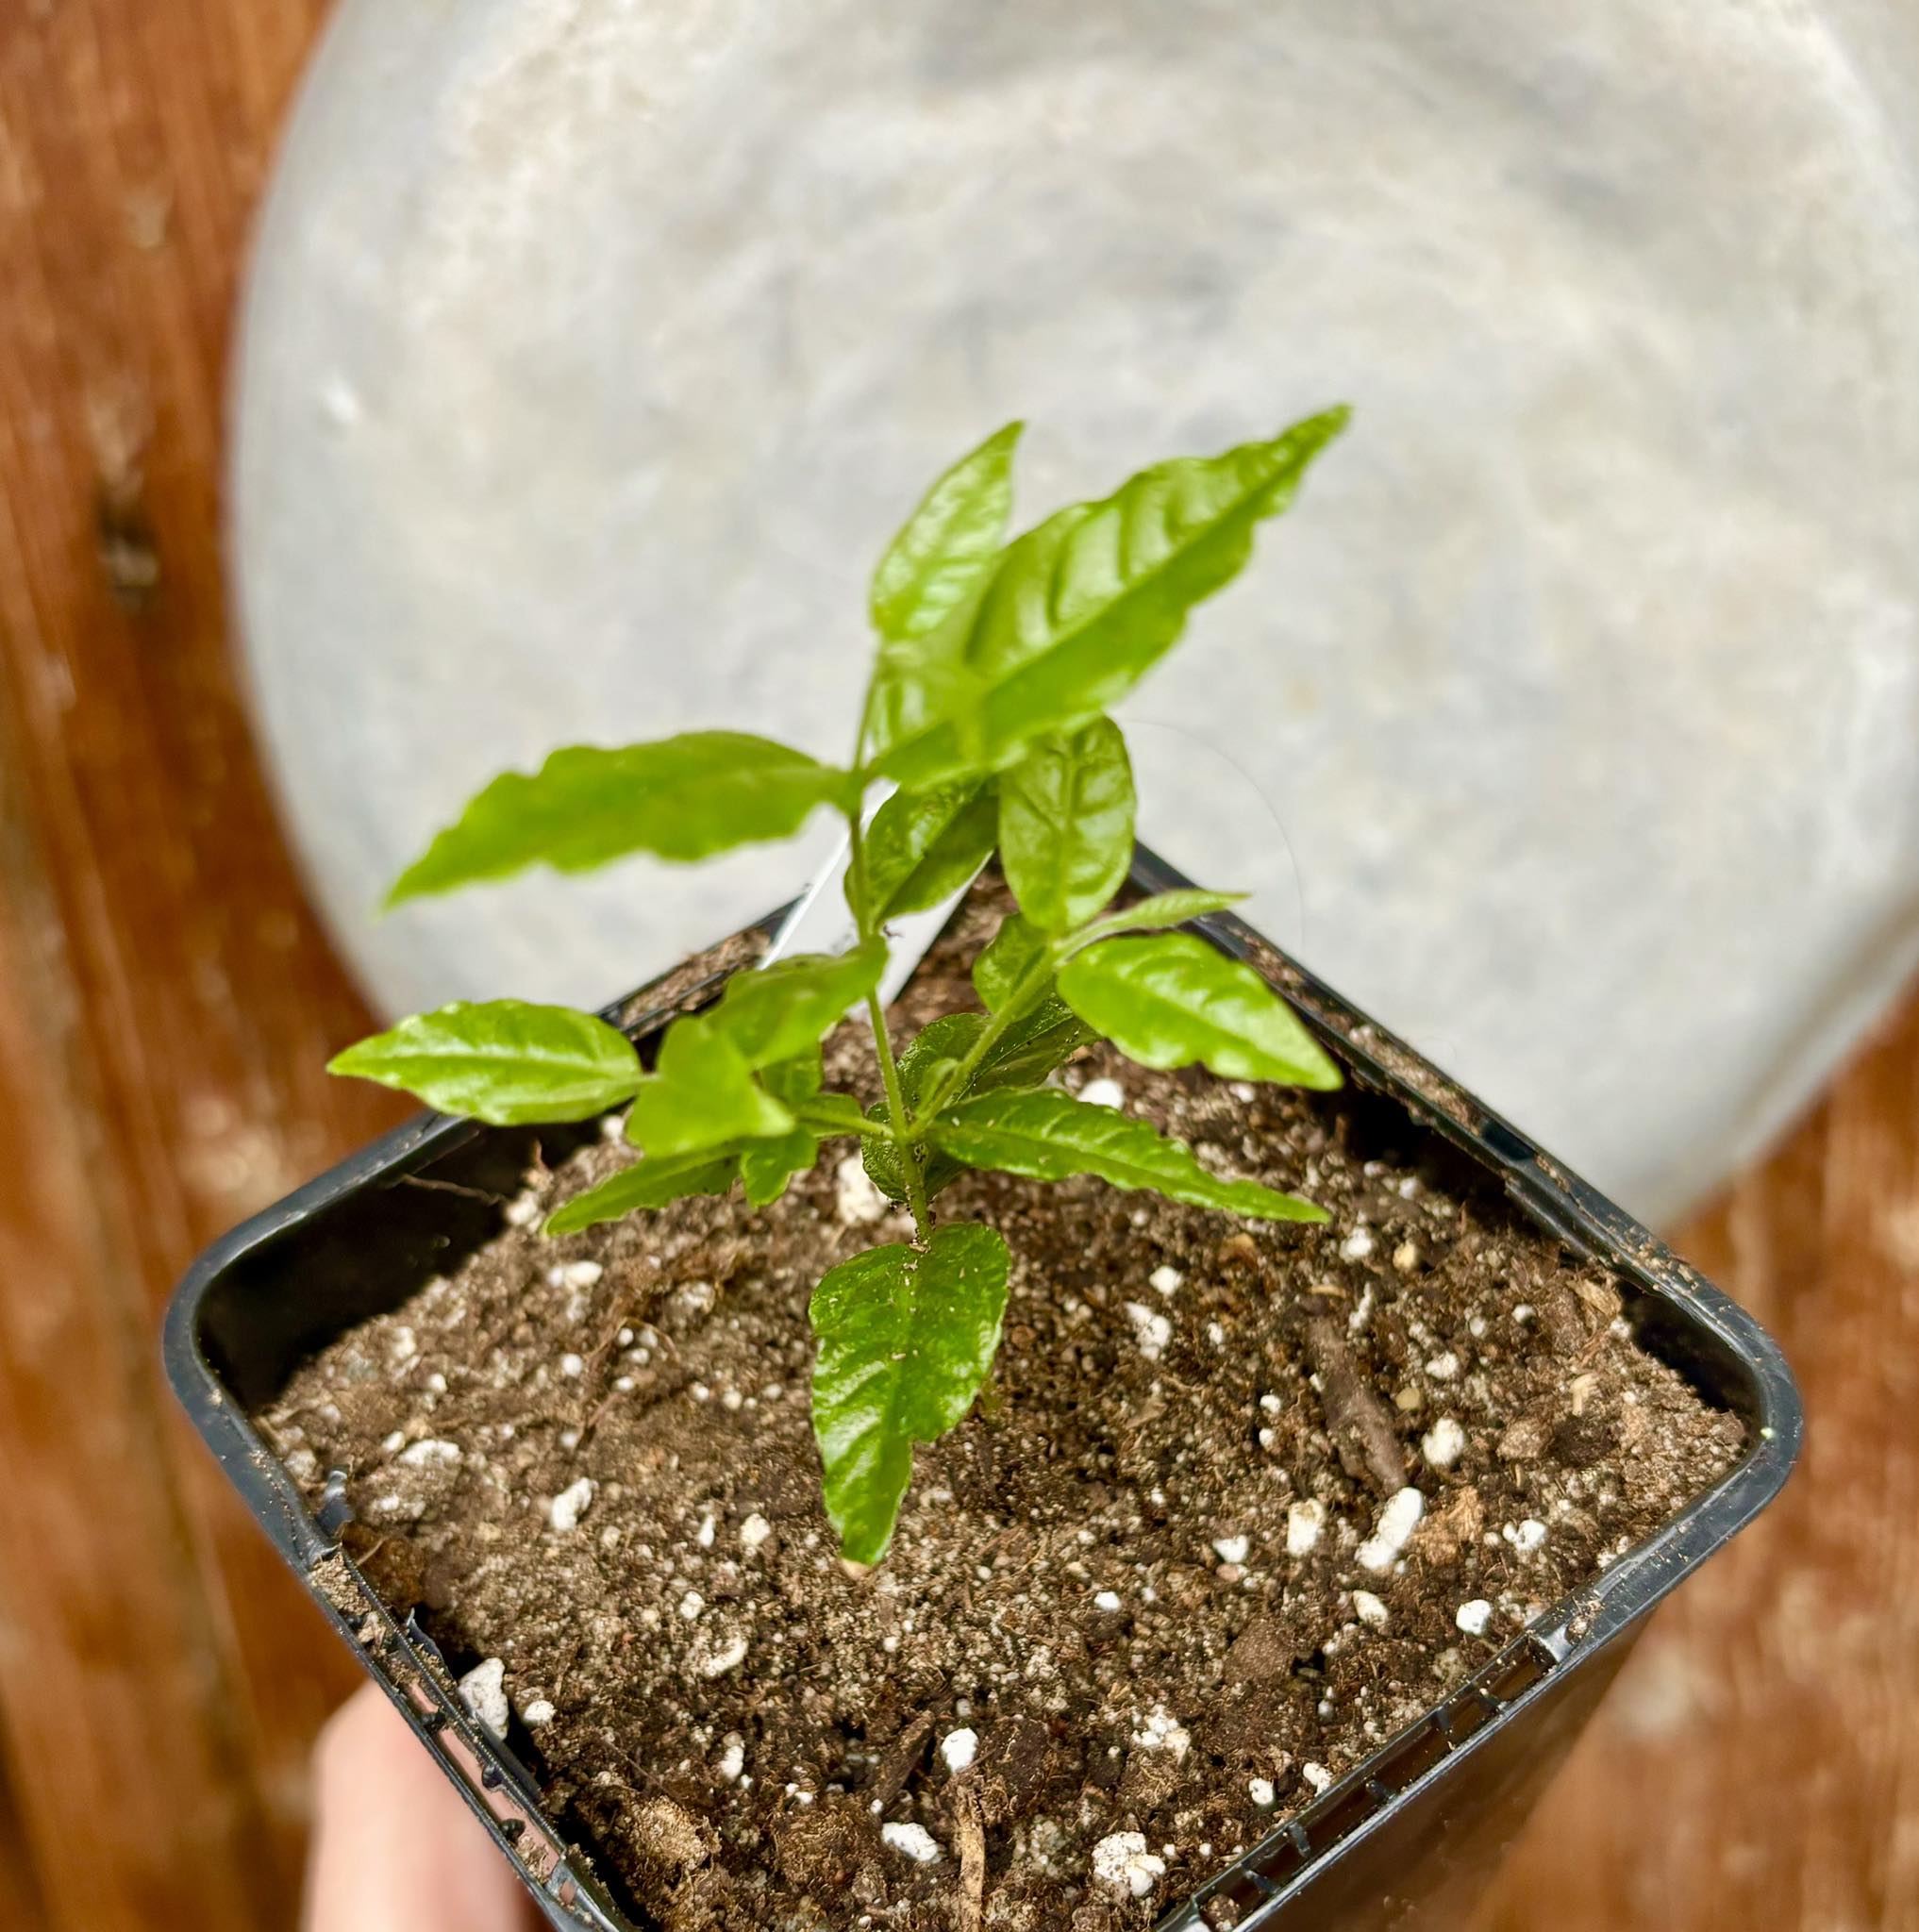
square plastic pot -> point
(1409, 1839)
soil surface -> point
(1242, 1501)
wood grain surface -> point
(166, 1003)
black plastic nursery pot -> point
(1408, 1838)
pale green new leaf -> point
(1170, 999)
(906, 1341)
(1077, 610)
(938, 554)
(1006, 961)
(779, 1012)
(922, 846)
(649, 1183)
(703, 1095)
(1049, 1136)
(679, 798)
(1066, 824)
(767, 1166)
(828, 1114)
(1162, 909)
(505, 1061)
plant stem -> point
(1025, 996)
(882, 1042)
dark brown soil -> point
(1142, 1582)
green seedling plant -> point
(987, 714)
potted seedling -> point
(1053, 1454)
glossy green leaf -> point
(703, 1095)
(776, 1011)
(1032, 1047)
(1077, 610)
(767, 1166)
(1006, 961)
(1066, 824)
(1162, 909)
(680, 798)
(934, 1051)
(922, 846)
(906, 1341)
(1047, 1136)
(505, 1061)
(648, 1183)
(1170, 999)
(939, 552)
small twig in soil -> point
(1356, 1418)
(898, 1765)
(969, 1833)
(487, 1195)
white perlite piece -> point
(730, 1656)
(1318, 1776)
(1160, 1731)
(691, 1604)
(915, 1840)
(572, 1365)
(1164, 1280)
(1356, 1245)
(1152, 1331)
(1123, 1863)
(856, 1199)
(754, 1533)
(1305, 1524)
(959, 1749)
(1369, 1609)
(1103, 1094)
(1525, 1537)
(1106, 1600)
(393, 1445)
(1443, 1368)
(1232, 1549)
(1394, 1530)
(732, 1757)
(566, 1508)
(539, 1711)
(1443, 1445)
(484, 1692)
(1474, 1617)
(1261, 1793)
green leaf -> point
(1172, 999)
(1161, 910)
(1077, 610)
(703, 1095)
(1032, 1046)
(1006, 961)
(795, 1082)
(775, 1012)
(505, 1061)
(681, 798)
(828, 1114)
(767, 1166)
(1049, 1136)
(922, 846)
(649, 1183)
(1066, 824)
(906, 1341)
(934, 1051)
(938, 554)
